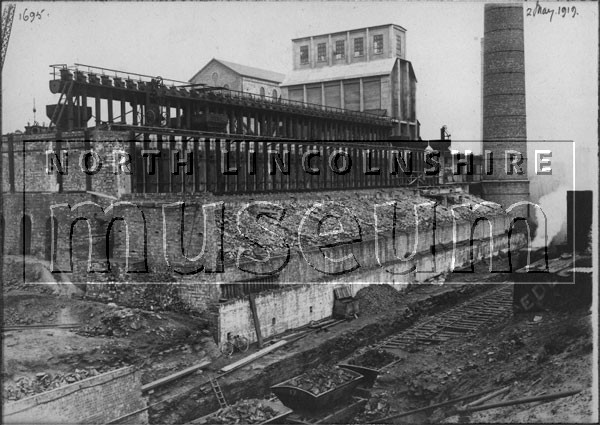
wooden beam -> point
(259, 338)
(173, 377)
(254, 356)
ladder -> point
(219, 393)
(64, 96)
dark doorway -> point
(51, 238)
(26, 235)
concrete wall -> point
(279, 310)
(96, 400)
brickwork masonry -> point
(113, 396)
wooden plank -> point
(173, 377)
(254, 356)
(256, 320)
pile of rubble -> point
(321, 379)
(149, 296)
(373, 358)
(351, 211)
(250, 411)
(118, 323)
(25, 387)
(375, 299)
(376, 407)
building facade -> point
(361, 70)
(233, 76)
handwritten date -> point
(561, 11)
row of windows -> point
(340, 49)
(262, 92)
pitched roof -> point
(246, 71)
(340, 72)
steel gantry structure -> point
(146, 104)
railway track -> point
(467, 317)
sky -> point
(175, 40)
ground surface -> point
(533, 354)
(109, 337)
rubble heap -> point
(373, 358)
(321, 379)
(25, 387)
(249, 411)
(377, 298)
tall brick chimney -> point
(504, 116)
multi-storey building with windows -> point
(363, 69)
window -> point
(262, 92)
(359, 48)
(274, 94)
(322, 52)
(339, 49)
(378, 44)
(215, 77)
(226, 86)
(303, 55)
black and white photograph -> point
(299, 212)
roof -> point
(350, 30)
(246, 71)
(340, 72)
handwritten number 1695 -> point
(31, 16)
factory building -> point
(243, 78)
(361, 70)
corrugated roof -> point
(247, 71)
(340, 72)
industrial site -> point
(303, 241)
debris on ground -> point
(321, 379)
(377, 407)
(249, 411)
(375, 299)
(25, 387)
(373, 358)
(530, 357)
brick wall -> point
(96, 400)
(37, 207)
